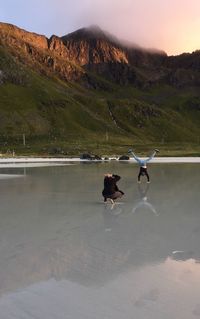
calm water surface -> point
(64, 254)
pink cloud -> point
(171, 25)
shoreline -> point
(23, 160)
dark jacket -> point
(110, 186)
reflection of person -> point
(111, 190)
(110, 216)
(143, 202)
(143, 164)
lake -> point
(64, 254)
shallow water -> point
(65, 254)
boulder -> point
(97, 157)
(86, 156)
(124, 158)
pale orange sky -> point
(169, 25)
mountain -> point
(90, 91)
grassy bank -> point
(75, 147)
(61, 118)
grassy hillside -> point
(61, 118)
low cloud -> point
(171, 25)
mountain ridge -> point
(94, 91)
(91, 31)
(94, 50)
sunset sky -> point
(172, 25)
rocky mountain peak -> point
(13, 35)
(94, 51)
(93, 32)
(94, 46)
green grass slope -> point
(62, 118)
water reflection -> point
(181, 255)
(110, 215)
(56, 234)
(165, 290)
(143, 201)
(8, 176)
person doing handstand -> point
(143, 164)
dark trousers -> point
(114, 196)
(142, 172)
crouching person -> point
(111, 190)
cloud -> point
(154, 23)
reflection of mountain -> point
(185, 255)
(54, 226)
(164, 290)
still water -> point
(64, 254)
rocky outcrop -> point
(57, 46)
(47, 56)
(184, 61)
(94, 52)
(72, 56)
(93, 46)
(183, 78)
(81, 55)
(12, 36)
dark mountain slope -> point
(87, 90)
